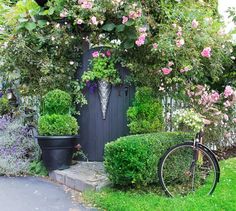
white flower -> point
(72, 63)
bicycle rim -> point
(180, 176)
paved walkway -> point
(35, 194)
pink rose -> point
(166, 71)
(139, 13)
(79, 21)
(226, 117)
(87, 5)
(185, 69)
(205, 99)
(94, 20)
(195, 24)
(227, 104)
(132, 15)
(142, 29)
(155, 45)
(206, 52)
(179, 33)
(108, 53)
(228, 91)
(95, 54)
(125, 19)
(141, 40)
(180, 43)
(63, 14)
(170, 63)
(214, 97)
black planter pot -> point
(57, 151)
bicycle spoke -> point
(185, 173)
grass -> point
(224, 197)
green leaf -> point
(109, 27)
(120, 28)
(129, 44)
(129, 23)
(30, 26)
(21, 20)
(42, 23)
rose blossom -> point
(155, 45)
(214, 97)
(180, 43)
(108, 53)
(185, 69)
(95, 54)
(227, 104)
(166, 71)
(125, 19)
(79, 21)
(94, 20)
(228, 91)
(206, 52)
(141, 40)
(234, 120)
(195, 24)
(87, 5)
(139, 13)
(142, 29)
(174, 25)
(179, 33)
(226, 117)
(63, 14)
(170, 63)
(132, 15)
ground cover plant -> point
(154, 199)
(18, 147)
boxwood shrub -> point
(57, 102)
(57, 125)
(133, 160)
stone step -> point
(82, 176)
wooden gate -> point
(95, 131)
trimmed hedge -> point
(133, 160)
(57, 125)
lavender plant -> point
(17, 147)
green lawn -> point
(224, 197)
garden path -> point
(35, 194)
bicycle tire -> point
(163, 164)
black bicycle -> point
(189, 168)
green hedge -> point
(146, 114)
(57, 125)
(133, 160)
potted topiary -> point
(57, 130)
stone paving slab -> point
(82, 176)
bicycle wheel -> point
(184, 170)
